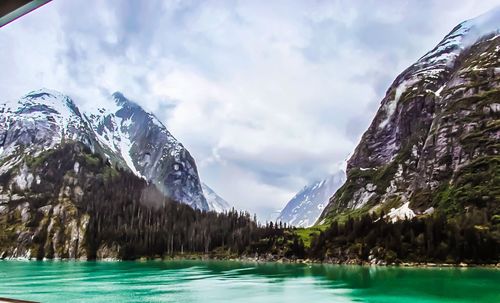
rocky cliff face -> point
(306, 206)
(434, 141)
(148, 149)
(68, 202)
(42, 213)
(124, 133)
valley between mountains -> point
(423, 184)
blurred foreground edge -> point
(11, 10)
(7, 300)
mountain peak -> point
(306, 206)
(431, 130)
(47, 97)
(487, 22)
(44, 91)
(121, 131)
(215, 202)
(123, 101)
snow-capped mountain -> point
(305, 208)
(123, 132)
(215, 202)
(269, 216)
(39, 121)
(432, 143)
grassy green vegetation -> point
(278, 242)
(342, 217)
(388, 205)
(477, 101)
(110, 173)
(476, 185)
(478, 60)
(39, 160)
(306, 234)
(92, 159)
(356, 179)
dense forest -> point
(469, 238)
(128, 218)
(123, 215)
(159, 227)
(128, 213)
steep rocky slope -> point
(434, 142)
(214, 201)
(306, 206)
(124, 133)
(68, 202)
(43, 206)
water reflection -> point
(212, 281)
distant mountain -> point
(434, 142)
(215, 202)
(123, 132)
(269, 216)
(305, 208)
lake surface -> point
(217, 281)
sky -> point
(267, 96)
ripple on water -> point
(192, 281)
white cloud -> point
(267, 96)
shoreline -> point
(277, 261)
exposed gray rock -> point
(306, 206)
(435, 130)
(215, 202)
(126, 134)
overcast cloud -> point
(266, 95)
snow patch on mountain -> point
(462, 37)
(49, 117)
(404, 212)
(215, 202)
(307, 205)
(121, 131)
(436, 62)
(390, 106)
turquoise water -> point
(214, 281)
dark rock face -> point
(434, 142)
(125, 134)
(149, 149)
(71, 203)
(40, 211)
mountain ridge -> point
(126, 135)
(306, 206)
(215, 202)
(435, 127)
